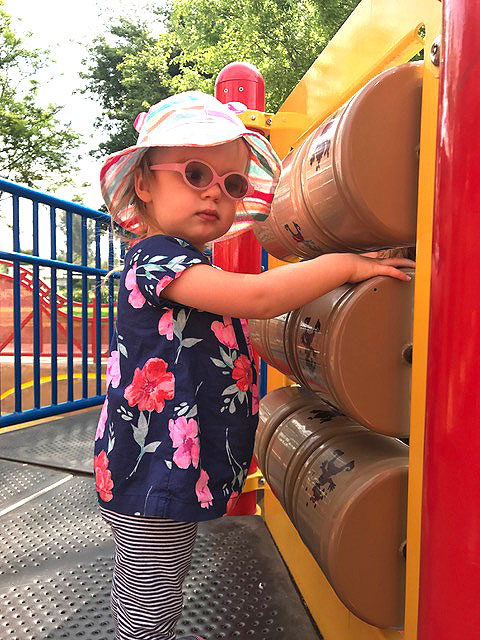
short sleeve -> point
(154, 263)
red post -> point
(450, 548)
(241, 82)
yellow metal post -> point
(421, 319)
(378, 35)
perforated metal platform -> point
(66, 443)
(56, 562)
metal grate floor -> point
(66, 443)
(57, 556)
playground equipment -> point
(353, 346)
(441, 581)
(344, 188)
(43, 334)
(7, 332)
(297, 455)
(345, 490)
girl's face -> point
(177, 209)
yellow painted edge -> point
(257, 120)
(421, 323)
(254, 482)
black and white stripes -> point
(152, 558)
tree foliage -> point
(129, 69)
(282, 38)
(34, 145)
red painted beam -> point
(449, 606)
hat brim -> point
(206, 124)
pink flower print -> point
(232, 501)
(151, 386)
(254, 399)
(246, 333)
(225, 333)
(242, 373)
(102, 421)
(164, 282)
(112, 374)
(184, 439)
(103, 476)
(165, 325)
(203, 492)
(136, 298)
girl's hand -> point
(275, 291)
(364, 267)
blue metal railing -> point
(25, 268)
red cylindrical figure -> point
(241, 82)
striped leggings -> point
(152, 558)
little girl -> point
(176, 432)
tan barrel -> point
(294, 440)
(273, 409)
(352, 184)
(354, 347)
(268, 339)
(349, 506)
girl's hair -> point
(140, 207)
(145, 224)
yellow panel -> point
(420, 324)
(378, 35)
(254, 482)
(333, 619)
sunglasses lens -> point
(236, 185)
(198, 174)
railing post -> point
(25, 280)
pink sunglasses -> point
(200, 175)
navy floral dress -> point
(176, 431)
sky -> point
(65, 27)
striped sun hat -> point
(190, 119)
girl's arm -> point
(269, 294)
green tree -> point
(128, 70)
(34, 145)
(282, 38)
(334, 14)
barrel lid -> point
(349, 507)
(366, 552)
(274, 336)
(273, 409)
(368, 353)
(376, 152)
(268, 235)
